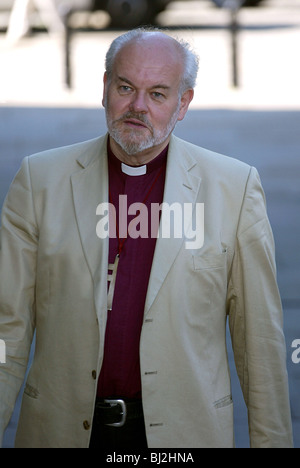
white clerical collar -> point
(134, 171)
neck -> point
(139, 159)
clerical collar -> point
(134, 171)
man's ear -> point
(104, 90)
(186, 99)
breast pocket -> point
(210, 262)
(210, 274)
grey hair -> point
(191, 60)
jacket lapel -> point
(181, 187)
(90, 188)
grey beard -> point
(129, 146)
(132, 147)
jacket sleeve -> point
(255, 318)
(18, 249)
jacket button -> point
(86, 425)
(94, 374)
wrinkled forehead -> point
(150, 60)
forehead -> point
(147, 63)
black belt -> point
(115, 412)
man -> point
(129, 315)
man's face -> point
(142, 98)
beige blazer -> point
(53, 279)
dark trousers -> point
(130, 436)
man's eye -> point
(125, 89)
(158, 96)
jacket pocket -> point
(224, 415)
(223, 402)
(31, 391)
(210, 262)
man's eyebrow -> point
(157, 86)
(121, 78)
(160, 86)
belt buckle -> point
(123, 413)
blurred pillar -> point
(234, 28)
(19, 22)
(233, 6)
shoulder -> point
(215, 170)
(53, 167)
(69, 156)
(208, 160)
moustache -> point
(136, 116)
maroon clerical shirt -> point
(120, 374)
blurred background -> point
(247, 105)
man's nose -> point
(139, 103)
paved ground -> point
(257, 123)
